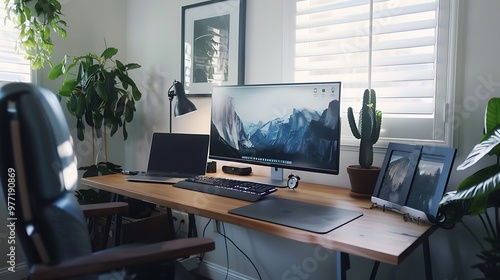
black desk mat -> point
(297, 214)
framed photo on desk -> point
(396, 175)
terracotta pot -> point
(362, 180)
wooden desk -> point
(377, 235)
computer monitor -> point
(292, 126)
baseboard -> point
(20, 273)
(207, 269)
(217, 272)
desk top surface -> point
(377, 235)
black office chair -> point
(38, 174)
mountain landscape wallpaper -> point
(302, 137)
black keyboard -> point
(243, 190)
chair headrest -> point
(47, 147)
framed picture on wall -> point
(213, 45)
(395, 176)
(429, 182)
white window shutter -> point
(333, 42)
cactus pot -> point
(362, 180)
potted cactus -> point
(363, 177)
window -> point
(13, 66)
(401, 48)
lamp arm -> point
(171, 94)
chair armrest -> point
(117, 258)
(104, 209)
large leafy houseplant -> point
(36, 19)
(480, 192)
(101, 93)
(363, 177)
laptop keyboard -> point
(238, 189)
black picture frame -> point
(395, 176)
(212, 30)
(429, 183)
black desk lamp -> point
(183, 105)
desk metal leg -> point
(192, 231)
(171, 225)
(374, 270)
(342, 265)
(118, 222)
(427, 259)
(118, 226)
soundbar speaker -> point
(237, 170)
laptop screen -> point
(175, 153)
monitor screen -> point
(293, 126)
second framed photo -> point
(429, 182)
(213, 45)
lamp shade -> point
(183, 105)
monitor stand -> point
(276, 178)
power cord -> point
(236, 246)
(227, 253)
(180, 225)
(225, 244)
(203, 235)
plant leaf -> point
(88, 118)
(136, 93)
(120, 106)
(120, 65)
(80, 129)
(492, 114)
(125, 133)
(114, 128)
(109, 82)
(98, 120)
(479, 204)
(483, 181)
(56, 71)
(80, 106)
(129, 111)
(101, 91)
(67, 87)
(131, 66)
(489, 141)
(476, 188)
(109, 53)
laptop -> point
(174, 157)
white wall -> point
(149, 34)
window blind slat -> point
(307, 7)
(402, 8)
(333, 17)
(343, 48)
